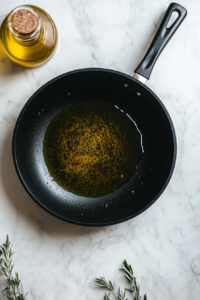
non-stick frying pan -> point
(129, 94)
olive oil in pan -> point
(92, 148)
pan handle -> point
(160, 40)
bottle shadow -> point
(25, 207)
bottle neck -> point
(25, 37)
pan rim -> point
(89, 224)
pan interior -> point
(154, 169)
(92, 148)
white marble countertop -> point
(57, 260)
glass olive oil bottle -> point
(28, 36)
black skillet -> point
(132, 96)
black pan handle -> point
(161, 38)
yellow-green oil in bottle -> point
(34, 48)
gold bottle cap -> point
(24, 21)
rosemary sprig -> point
(110, 286)
(13, 290)
(135, 288)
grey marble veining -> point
(59, 260)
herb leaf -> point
(13, 290)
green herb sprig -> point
(135, 288)
(13, 289)
(110, 286)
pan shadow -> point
(25, 207)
